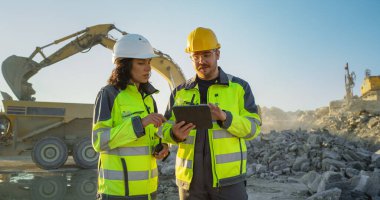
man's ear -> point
(217, 53)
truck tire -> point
(84, 184)
(51, 187)
(84, 154)
(50, 153)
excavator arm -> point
(18, 70)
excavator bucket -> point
(16, 71)
(169, 70)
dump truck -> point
(52, 131)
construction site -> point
(332, 152)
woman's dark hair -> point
(121, 74)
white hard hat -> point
(132, 46)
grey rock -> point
(332, 194)
(298, 163)
(314, 141)
(331, 154)
(261, 168)
(330, 180)
(375, 158)
(327, 162)
(351, 172)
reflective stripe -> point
(95, 133)
(105, 135)
(154, 173)
(231, 157)
(104, 140)
(170, 122)
(181, 162)
(159, 132)
(138, 175)
(129, 151)
(254, 124)
(111, 174)
(219, 134)
(132, 175)
(136, 197)
(189, 140)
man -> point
(211, 164)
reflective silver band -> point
(154, 173)
(138, 175)
(105, 136)
(231, 157)
(219, 134)
(129, 151)
(184, 163)
(132, 175)
(254, 124)
(111, 174)
(189, 140)
(170, 122)
(159, 132)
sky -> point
(291, 52)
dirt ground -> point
(15, 173)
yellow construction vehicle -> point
(52, 130)
(370, 89)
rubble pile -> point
(328, 165)
(362, 127)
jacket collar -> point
(146, 88)
(221, 80)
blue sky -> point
(291, 52)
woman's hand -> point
(163, 153)
(154, 118)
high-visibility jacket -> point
(126, 165)
(226, 139)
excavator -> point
(52, 131)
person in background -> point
(211, 163)
(126, 123)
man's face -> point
(205, 63)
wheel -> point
(51, 187)
(49, 153)
(84, 184)
(84, 154)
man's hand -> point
(154, 118)
(217, 113)
(181, 130)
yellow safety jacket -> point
(126, 166)
(227, 139)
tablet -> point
(200, 115)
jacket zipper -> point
(212, 145)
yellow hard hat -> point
(201, 39)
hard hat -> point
(201, 39)
(132, 46)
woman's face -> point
(140, 70)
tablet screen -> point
(200, 115)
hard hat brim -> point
(145, 56)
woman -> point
(125, 125)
